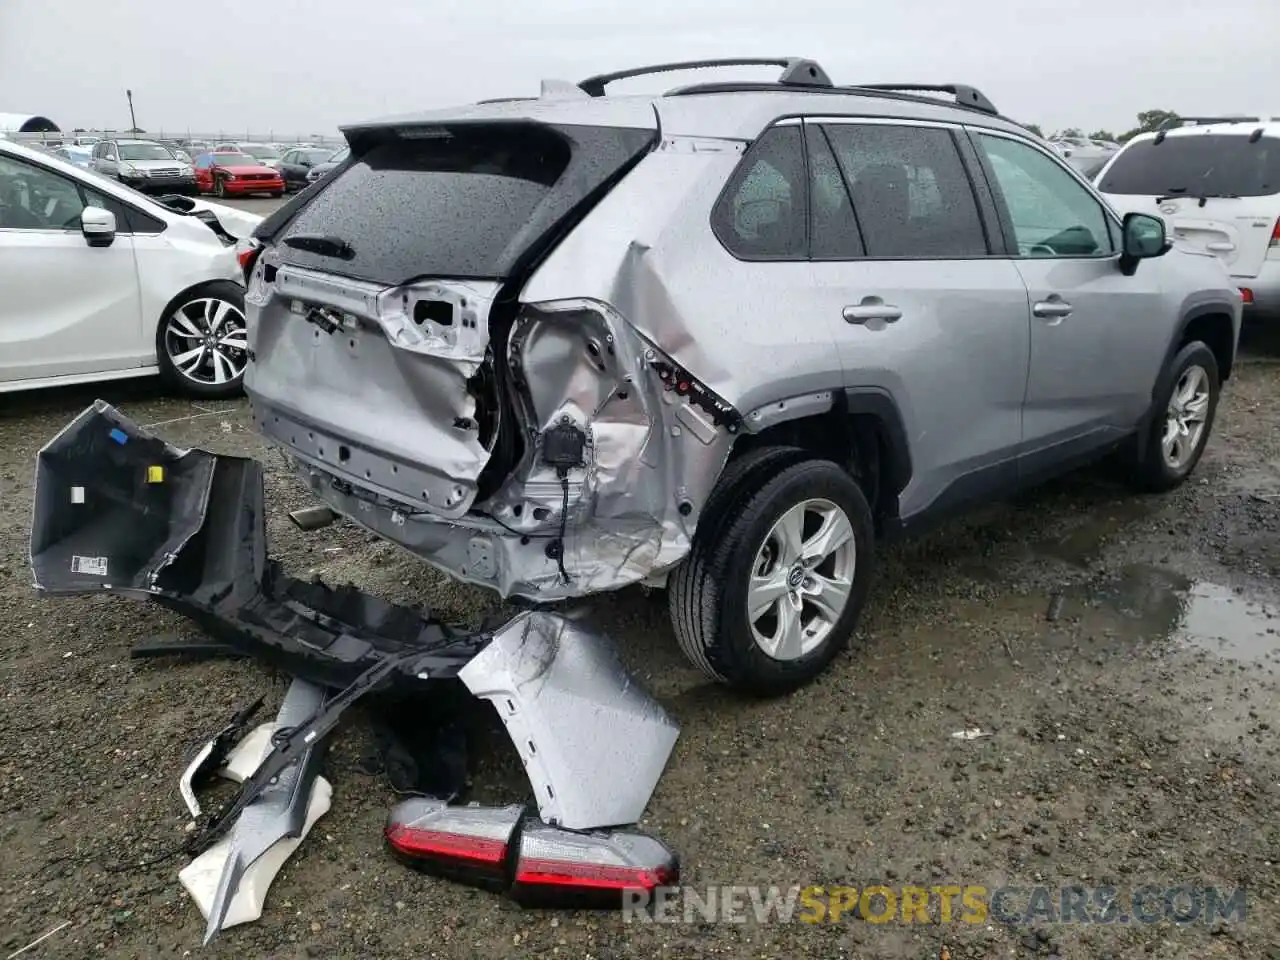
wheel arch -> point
(860, 428)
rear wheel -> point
(778, 574)
(201, 342)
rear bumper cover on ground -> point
(121, 511)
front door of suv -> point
(929, 313)
(1097, 336)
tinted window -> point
(261, 151)
(910, 191)
(1197, 165)
(1052, 214)
(762, 212)
(833, 230)
(33, 198)
(464, 201)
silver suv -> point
(719, 340)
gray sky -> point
(306, 66)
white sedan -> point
(98, 282)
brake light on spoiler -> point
(502, 849)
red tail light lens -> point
(556, 867)
(470, 844)
(1275, 234)
(543, 866)
(1246, 295)
(247, 255)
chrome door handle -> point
(1055, 308)
(872, 308)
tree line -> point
(1148, 122)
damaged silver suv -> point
(719, 340)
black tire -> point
(707, 595)
(1149, 470)
(224, 290)
(277, 194)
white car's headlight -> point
(127, 169)
(186, 170)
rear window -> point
(467, 201)
(1210, 165)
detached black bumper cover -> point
(121, 511)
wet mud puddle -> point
(1197, 614)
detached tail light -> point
(562, 868)
(469, 844)
(498, 848)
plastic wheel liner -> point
(118, 510)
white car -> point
(1216, 183)
(98, 282)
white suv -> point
(1216, 183)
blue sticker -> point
(119, 436)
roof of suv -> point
(1203, 126)
(721, 110)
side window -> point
(1052, 214)
(32, 198)
(762, 213)
(833, 229)
(290, 157)
(911, 194)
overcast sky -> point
(307, 66)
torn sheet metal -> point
(591, 740)
(251, 851)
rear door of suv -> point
(906, 252)
(1097, 336)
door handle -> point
(1220, 247)
(1054, 308)
(872, 308)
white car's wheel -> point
(201, 343)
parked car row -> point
(102, 282)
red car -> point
(236, 174)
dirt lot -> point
(1133, 740)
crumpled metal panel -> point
(382, 400)
(279, 812)
(592, 742)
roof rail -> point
(1175, 122)
(796, 71)
(965, 96)
(864, 90)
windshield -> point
(227, 159)
(1213, 165)
(261, 151)
(144, 151)
(313, 156)
(339, 156)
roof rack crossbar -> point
(796, 70)
(966, 96)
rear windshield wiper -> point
(321, 245)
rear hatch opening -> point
(1219, 192)
(377, 308)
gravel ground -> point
(1132, 740)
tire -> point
(219, 188)
(708, 593)
(276, 195)
(190, 312)
(1155, 469)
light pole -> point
(132, 119)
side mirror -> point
(1143, 237)
(98, 226)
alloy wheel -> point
(1185, 418)
(801, 579)
(206, 341)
